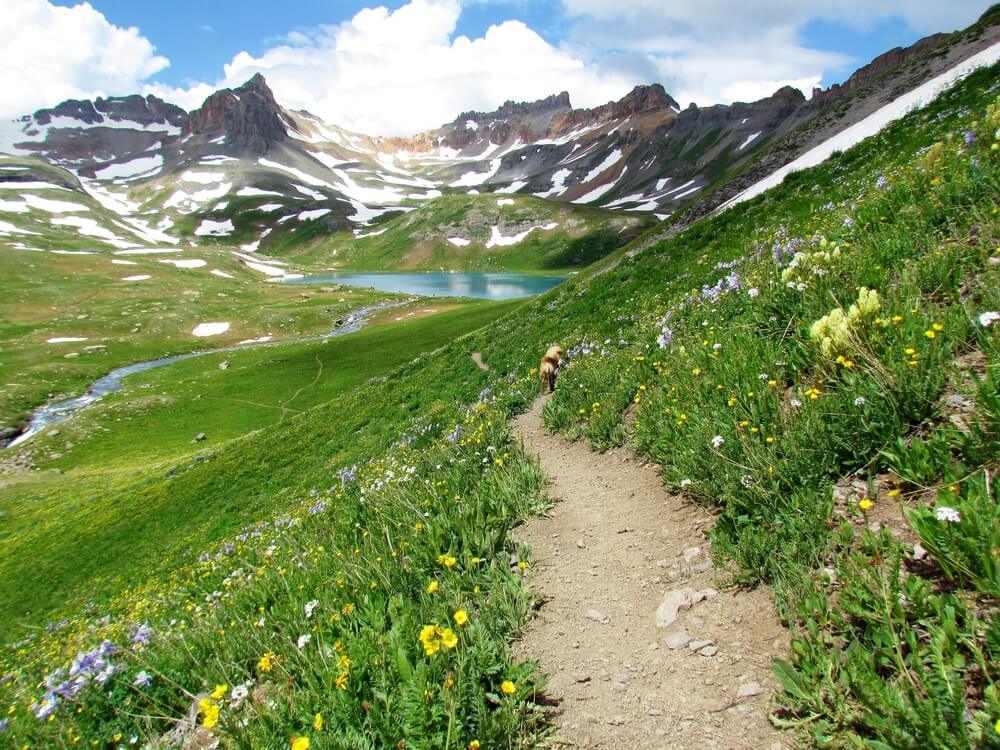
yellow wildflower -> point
(474, 745)
(461, 617)
(300, 743)
(447, 560)
(432, 587)
(865, 504)
(448, 638)
(220, 690)
(930, 334)
(894, 492)
(209, 711)
(266, 663)
(508, 687)
(318, 722)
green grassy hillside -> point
(562, 236)
(810, 340)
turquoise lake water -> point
(495, 286)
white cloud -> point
(52, 53)
(399, 72)
(720, 51)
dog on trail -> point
(549, 366)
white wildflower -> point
(860, 401)
(753, 292)
(310, 606)
(303, 641)
(988, 318)
(947, 515)
(796, 403)
(717, 441)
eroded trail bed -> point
(613, 546)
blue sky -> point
(407, 65)
(199, 37)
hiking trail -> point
(614, 548)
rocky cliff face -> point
(142, 110)
(248, 117)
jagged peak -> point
(510, 108)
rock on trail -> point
(624, 608)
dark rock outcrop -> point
(249, 118)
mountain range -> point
(135, 171)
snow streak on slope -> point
(918, 97)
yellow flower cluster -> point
(802, 262)
(433, 638)
(833, 330)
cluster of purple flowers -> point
(348, 476)
(318, 507)
(785, 247)
(88, 666)
(729, 283)
(455, 434)
(666, 332)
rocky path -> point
(642, 648)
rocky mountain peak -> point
(248, 116)
(135, 108)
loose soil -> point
(614, 543)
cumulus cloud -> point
(399, 72)
(50, 53)
(720, 51)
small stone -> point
(621, 679)
(596, 616)
(830, 573)
(224, 364)
(581, 544)
(673, 601)
(919, 553)
(691, 553)
(698, 645)
(710, 650)
(749, 689)
(617, 721)
(582, 678)
(677, 639)
(709, 593)
(655, 712)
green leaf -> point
(789, 679)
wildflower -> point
(753, 292)
(266, 662)
(4, 723)
(446, 560)
(685, 483)
(303, 641)
(947, 515)
(896, 492)
(432, 587)
(300, 743)
(429, 639)
(461, 617)
(239, 694)
(860, 401)
(143, 679)
(474, 745)
(795, 402)
(986, 319)
(508, 687)
(310, 606)
(865, 504)
(220, 690)
(717, 441)
(209, 711)
(141, 635)
(930, 333)
(448, 638)
(318, 722)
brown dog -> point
(548, 367)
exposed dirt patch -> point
(478, 359)
(613, 548)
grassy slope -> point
(43, 295)
(418, 240)
(95, 509)
(379, 538)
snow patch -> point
(498, 240)
(460, 241)
(137, 277)
(223, 274)
(65, 340)
(133, 168)
(750, 139)
(210, 329)
(313, 214)
(209, 228)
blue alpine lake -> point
(495, 286)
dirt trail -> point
(614, 544)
